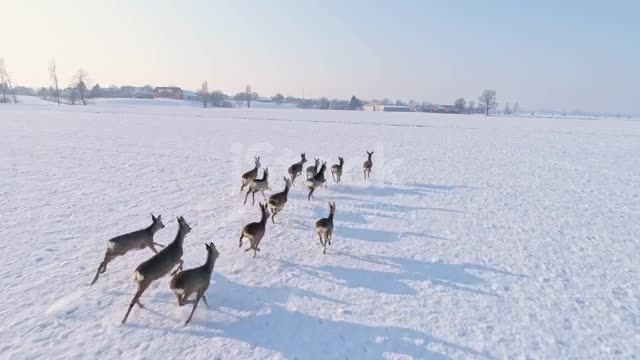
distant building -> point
(443, 109)
(391, 108)
(168, 93)
(136, 92)
(190, 95)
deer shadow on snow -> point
(394, 189)
(298, 335)
(459, 277)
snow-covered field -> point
(475, 237)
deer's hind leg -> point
(142, 286)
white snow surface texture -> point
(475, 238)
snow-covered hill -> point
(475, 237)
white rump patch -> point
(137, 276)
(178, 291)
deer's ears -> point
(207, 246)
(153, 217)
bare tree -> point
(5, 82)
(507, 109)
(488, 101)
(72, 94)
(53, 76)
(515, 108)
(460, 105)
(204, 94)
(248, 95)
(80, 84)
(240, 98)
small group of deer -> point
(315, 176)
(183, 283)
(255, 231)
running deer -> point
(136, 240)
(313, 170)
(159, 265)
(336, 170)
(255, 230)
(277, 201)
(195, 280)
(316, 181)
(367, 165)
(296, 169)
(324, 227)
(250, 175)
(258, 185)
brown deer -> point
(248, 177)
(367, 165)
(195, 280)
(277, 201)
(313, 170)
(316, 181)
(324, 227)
(258, 185)
(159, 265)
(136, 240)
(255, 230)
(336, 170)
(296, 169)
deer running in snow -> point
(195, 280)
(316, 181)
(258, 185)
(313, 170)
(277, 201)
(255, 230)
(136, 240)
(296, 169)
(324, 227)
(336, 170)
(248, 177)
(367, 165)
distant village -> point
(219, 99)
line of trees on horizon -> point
(78, 91)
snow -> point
(476, 237)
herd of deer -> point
(184, 283)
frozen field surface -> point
(475, 238)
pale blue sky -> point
(555, 54)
